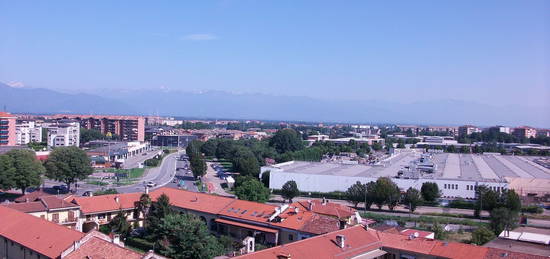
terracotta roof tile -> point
(54, 202)
(193, 200)
(105, 203)
(100, 249)
(496, 253)
(27, 207)
(329, 208)
(40, 235)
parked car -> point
(87, 193)
(151, 184)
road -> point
(161, 176)
(183, 175)
(133, 162)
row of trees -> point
(20, 169)
(385, 192)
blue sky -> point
(492, 52)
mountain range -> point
(219, 104)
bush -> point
(329, 195)
(532, 209)
(461, 204)
(482, 235)
(105, 192)
(153, 162)
(138, 243)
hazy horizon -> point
(494, 53)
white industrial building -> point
(63, 134)
(457, 175)
(27, 131)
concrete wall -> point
(328, 183)
(13, 250)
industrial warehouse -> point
(457, 175)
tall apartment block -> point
(467, 130)
(129, 128)
(7, 129)
(28, 131)
(63, 133)
(525, 132)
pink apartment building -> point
(7, 129)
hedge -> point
(139, 243)
(329, 195)
(532, 209)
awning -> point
(249, 226)
(371, 254)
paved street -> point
(214, 182)
(184, 178)
(133, 162)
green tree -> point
(371, 194)
(376, 146)
(144, 204)
(209, 147)
(439, 231)
(290, 190)
(252, 190)
(286, 140)
(356, 193)
(68, 165)
(511, 200)
(412, 199)
(503, 219)
(159, 210)
(247, 166)
(386, 192)
(265, 178)
(87, 135)
(224, 149)
(119, 224)
(7, 172)
(430, 191)
(482, 235)
(25, 169)
(198, 165)
(185, 236)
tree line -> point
(20, 169)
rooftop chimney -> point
(310, 205)
(324, 201)
(117, 199)
(146, 189)
(341, 241)
(116, 239)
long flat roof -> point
(448, 166)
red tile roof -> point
(358, 241)
(423, 234)
(193, 200)
(6, 115)
(458, 250)
(97, 248)
(244, 225)
(27, 207)
(54, 202)
(33, 196)
(104, 203)
(42, 236)
(328, 208)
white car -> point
(151, 184)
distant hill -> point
(38, 100)
(217, 104)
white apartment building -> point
(28, 131)
(63, 134)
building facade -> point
(8, 136)
(128, 128)
(467, 130)
(63, 134)
(27, 132)
(525, 132)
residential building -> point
(268, 224)
(63, 133)
(26, 236)
(8, 135)
(502, 129)
(173, 140)
(467, 130)
(525, 132)
(28, 131)
(360, 242)
(543, 132)
(51, 208)
(128, 128)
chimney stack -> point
(324, 201)
(117, 199)
(341, 241)
(116, 240)
(146, 189)
(310, 205)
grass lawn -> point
(132, 173)
(463, 237)
(96, 182)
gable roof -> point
(328, 208)
(104, 203)
(193, 200)
(41, 236)
(98, 248)
(27, 207)
(357, 241)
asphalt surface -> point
(162, 175)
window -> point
(290, 237)
(55, 217)
(445, 186)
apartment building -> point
(26, 236)
(27, 132)
(467, 130)
(128, 128)
(63, 133)
(7, 129)
(51, 208)
(525, 132)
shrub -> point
(138, 243)
(532, 209)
